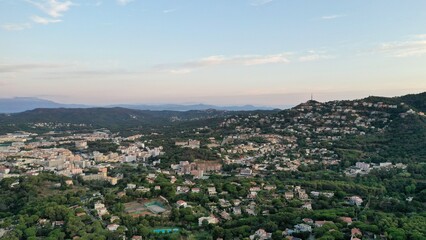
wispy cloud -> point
(312, 56)
(16, 26)
(412, 46)
(219, 60)
(419, 36)
(169, 10)
(94, 3)
(256, 3)
(53, 8)
(87, 71)
(331, 17)
(243, 60)
(21, 67)
(44, 21)
(124, 2)
(98, 3)
(268, 59)
(179, 71)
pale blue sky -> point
(263, 52)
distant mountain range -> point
(179, 107)
(21, 104)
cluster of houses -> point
(32, 154)
(363, 168)
(312, 123)
(197, 168)
(189, 144)
(308, 225)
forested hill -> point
(115, 119)
(400, 138)
(373, 129)
(101, 116)
(416, 101)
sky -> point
(225, 52)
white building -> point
(302, 228)
(363, 166)
(355, 200)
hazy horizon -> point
(283, 105)
(257, 52)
